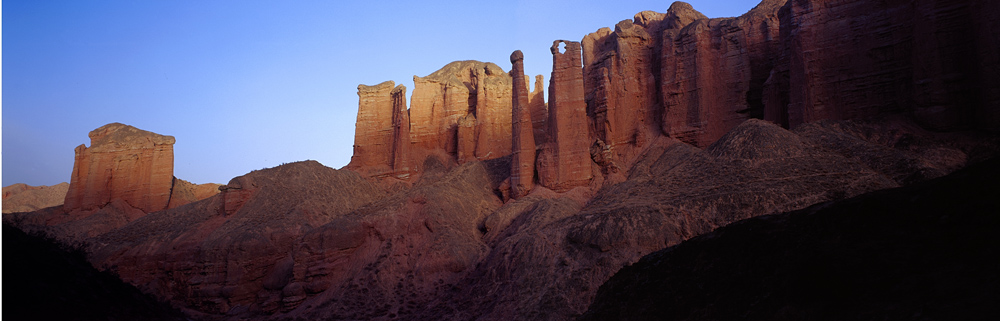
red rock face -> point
(539, 110)
(564, 161)
(124, 163)
(713, 70)
(856, 59)
(620, 85)
(373, 139)
(522, 177)
(442, 99)
(400, 133)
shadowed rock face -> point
(54, 283)
(925, 250)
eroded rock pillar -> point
(523, 141)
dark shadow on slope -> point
(43, 281)
(923, 252)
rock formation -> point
(539, 110)
(374, 131)
(25, 198)
(522, 174)
(400, 133)
(564, 161)
(442, 99)
(124, 163)
(855, 59)
(713, 70)
(382, 133)
(673, 102)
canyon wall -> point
(564, 162)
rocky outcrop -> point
(442, 99)
(522, 173)
(373, 138)
(564, 161)
(713, 70)
(24, 198)
(382, 132)
(123, 162)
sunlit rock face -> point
(122, 162)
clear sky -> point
(245, 85)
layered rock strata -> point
(522, 177)
(123, 162)
(373, 140)
(564, 161)
(444, 98)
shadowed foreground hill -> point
(43, 281)
(927, 251)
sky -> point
(246, 85)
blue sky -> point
(245, 85)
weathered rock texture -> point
(564, 161)
(522, 177)
(713, 70)
(24, 198)
(373, 138)
(539, 110)
(442, 99)
(852, 59)
(123, 162)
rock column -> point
(373, 138)
(565, 162)
(523, 140)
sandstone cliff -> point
(123, 162)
